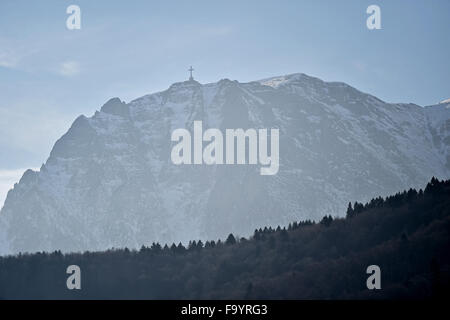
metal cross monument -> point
(190, 70)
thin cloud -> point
(360, 66)
(217, 31)
(8, 59)
(12, 53)
(43, 120)
(69, 68)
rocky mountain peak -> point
(109, 181)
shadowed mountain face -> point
(110, 182)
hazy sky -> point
(49, 74)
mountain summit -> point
(109, 181)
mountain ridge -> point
(109, 181)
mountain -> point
(109, 181)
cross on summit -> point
(191, 78)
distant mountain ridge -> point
(109, 181)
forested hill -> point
(407, 235)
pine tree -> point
(230, 240)
(326, 220)
(180, 248)
(350, 212)
(156, 247)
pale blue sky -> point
(49, 75)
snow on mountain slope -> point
(109, 181)
(438, 120)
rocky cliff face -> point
(110, 182)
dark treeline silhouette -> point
(407, 235)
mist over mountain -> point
(406, 235)
(109, 181)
